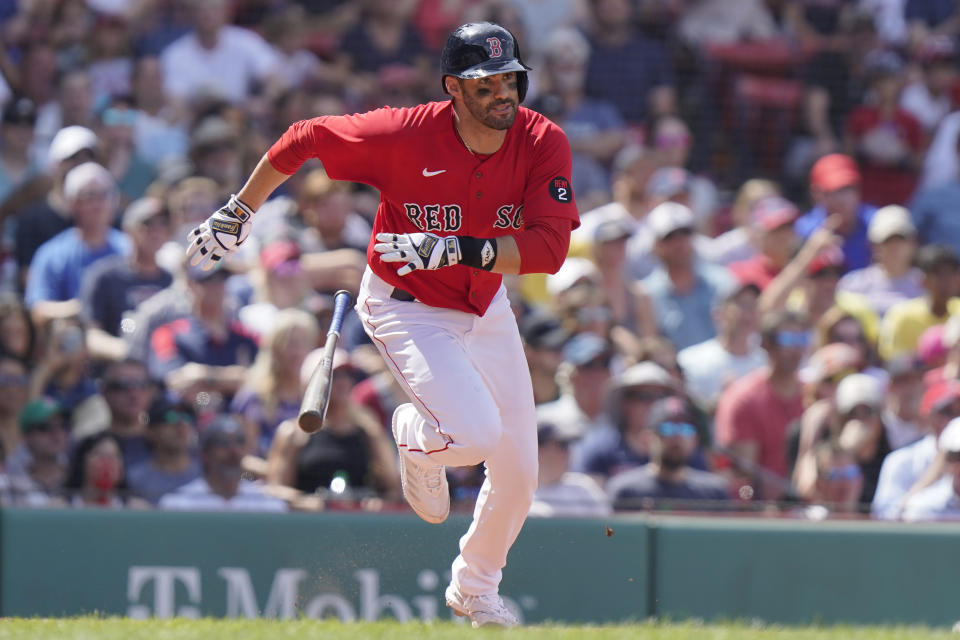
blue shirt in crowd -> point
(59, 264)
(935, 213)
(856, 248)
(685, 318)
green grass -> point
(123, 629)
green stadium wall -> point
(359, 566)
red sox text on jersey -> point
(429, 181)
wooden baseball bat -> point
(317, 395)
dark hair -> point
(772, 322)
(9, 305)
(76, 474)
(933, 256)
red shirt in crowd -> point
(882, 185)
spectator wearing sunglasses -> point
(561, 492)
(222, 487)
(128, 393)
(838, 483)
(906, 321)
(668, 480)
(755, 413)
(906, 466)
(609, 450)
(172, 461)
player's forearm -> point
(508, 256)
(262, 182)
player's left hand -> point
(220, 234)
(418, 250)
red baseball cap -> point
(939, 395)
(278, 252)
(834, 171)
(829, 258)
(772, 213)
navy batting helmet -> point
(480, 49)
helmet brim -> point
(492, 68)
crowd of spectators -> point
(760, 309)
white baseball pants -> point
(472, 401)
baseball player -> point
(471, 188)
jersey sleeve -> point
(352, 147)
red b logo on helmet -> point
(495, 49)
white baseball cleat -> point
(482, 610)
(424, 485)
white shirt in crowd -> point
(197, 496)
(939, 501)
(577, 495)
(901, 468)
(708, 368)
(229, 70)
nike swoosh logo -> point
(427, 174)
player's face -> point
(492, 100)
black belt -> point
(400, 294)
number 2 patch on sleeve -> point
(560, 190)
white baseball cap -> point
(570, 273)
(644, 373)
(889, 221)
(856, 389)
(69, 141)
(668, 217)
(949, 440)
(88, 174)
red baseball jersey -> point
(429, 181)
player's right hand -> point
(220, 234)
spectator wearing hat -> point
(116, 286)
(906, 466)
(207, 349)
(173, 460)
(17, 166)
(928, 98)
(906, 321)
(941, 500)
(668, 480)
(610, 256)
(887, 140)
(216, 59)
(42, 455)
(681, 290)
(221, 487)
(352, 447)
(41, 220)
(58, 267)
(708, 367)
(835, 188)
(583, 377)
(755, 413)
(625, 444)
(771, 232)
(808, 284)
(215, 152)
(891, 278)
(543, 341)
(561, 492)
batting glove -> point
(220, 234)
(418, 250)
